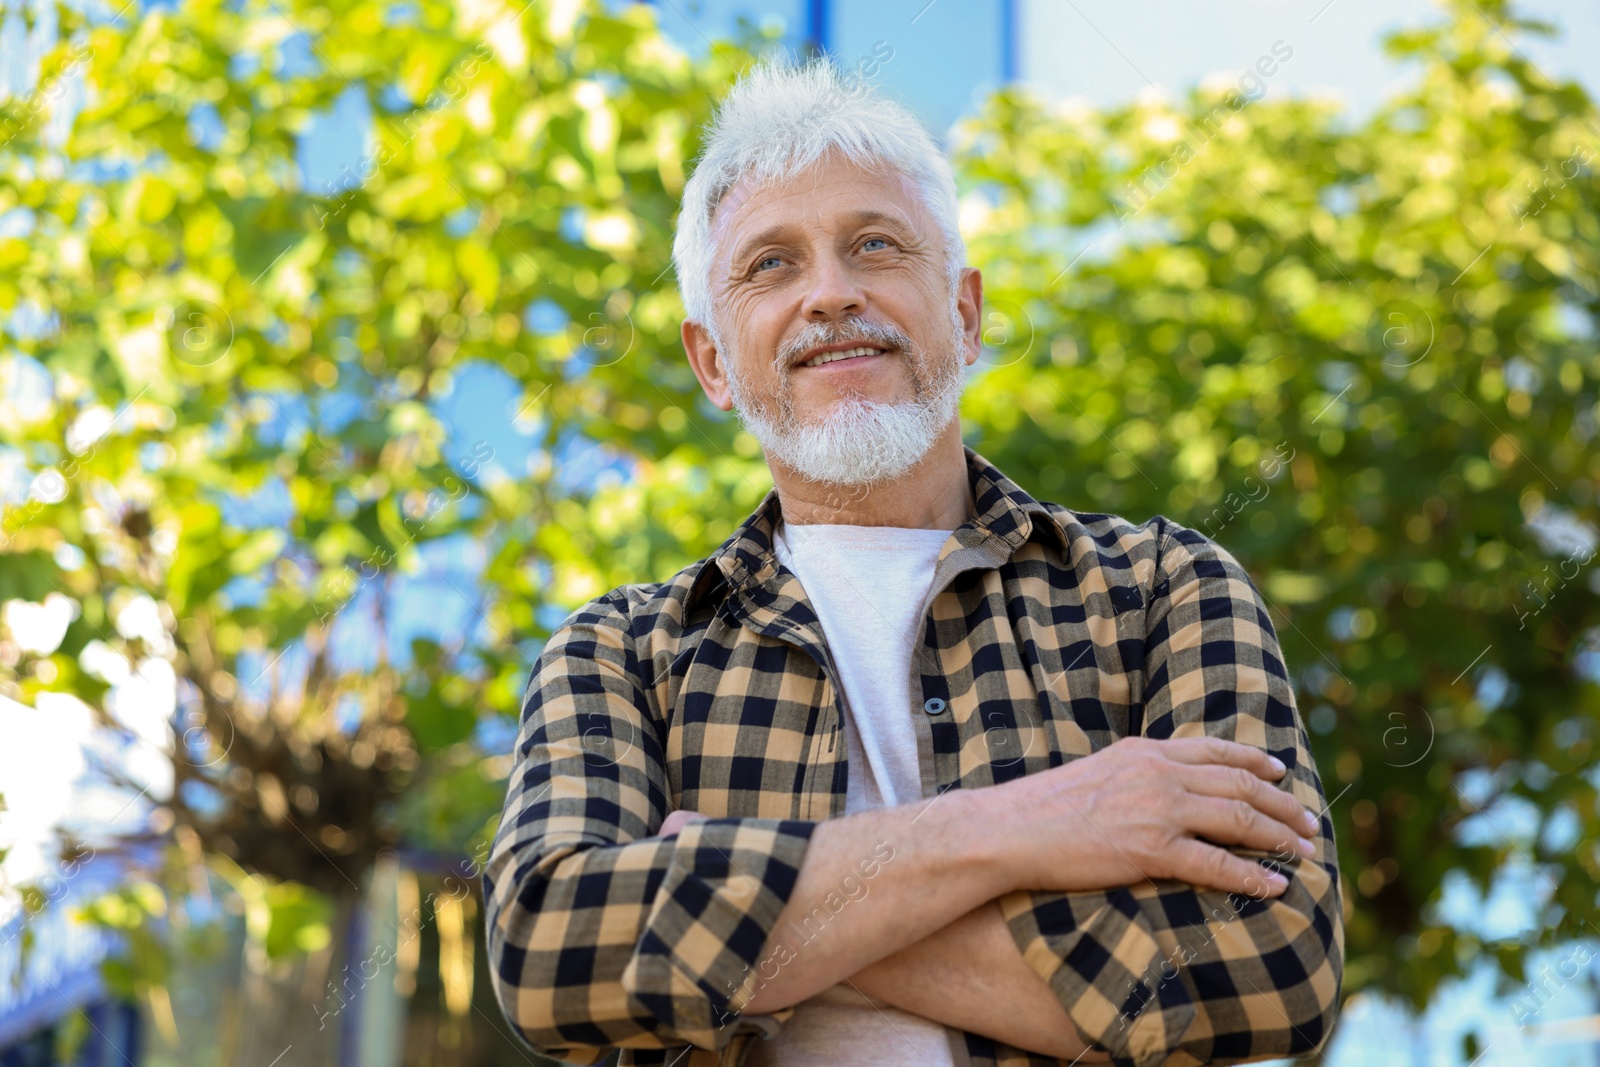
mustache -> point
(833, 333)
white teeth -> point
(849, 353)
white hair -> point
(777, 121)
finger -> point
(677, 820)
(1216, 750)
(1216, 868)
(1238, 783)
(1238, 822)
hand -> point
(1140, 808)
(677, 820)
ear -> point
(969, 302)
(707, 364)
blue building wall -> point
(939, 57)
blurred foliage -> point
(1362, 357)
(215, 334)
(1359, 355)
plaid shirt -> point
(1049, 634)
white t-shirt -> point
(869, 585)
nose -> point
(834, 293)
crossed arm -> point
(967, 973)
(929, 936)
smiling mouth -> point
(848, 353)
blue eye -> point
(873, 241)
(770, 259)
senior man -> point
(914, 769)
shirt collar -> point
(1004, 513)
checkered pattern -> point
(1052, 634)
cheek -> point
(754, 325)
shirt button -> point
(933, 706)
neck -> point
(935, 494)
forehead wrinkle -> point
(831, 165)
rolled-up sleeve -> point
(1163, 972)
(600, 934)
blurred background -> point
(339, 363)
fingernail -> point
(1313, 823)
(1277, 764)
(1277, 881)
(1307, 847)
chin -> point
(856, 443)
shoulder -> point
(1118, 541)
(632, 631)
(652, 614)
(1148, 555)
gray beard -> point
(860, 441)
